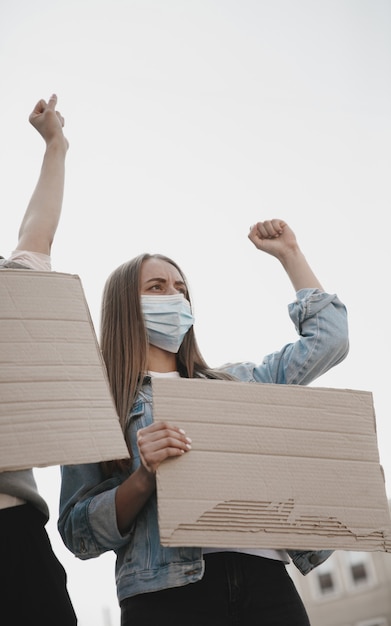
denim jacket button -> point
(314, 559)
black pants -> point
(236, 590)
(32, 580)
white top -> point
(33, 260)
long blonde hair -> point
(124, 342)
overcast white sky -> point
(189, 120)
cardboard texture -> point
(271, 466)
(55, 402)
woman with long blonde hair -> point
(147, 331)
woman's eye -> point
(156, 287)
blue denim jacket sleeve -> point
(320, 320)
(84, 530)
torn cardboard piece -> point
(271, 466)
(55, 402)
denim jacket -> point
(87, 521)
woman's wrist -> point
(57, 144)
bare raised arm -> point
(276, 238)
(43, 212)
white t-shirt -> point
(33, 260)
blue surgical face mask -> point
(167, 320)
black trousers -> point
(32, 580)
(236, 590)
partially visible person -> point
(147, 331)
(33, 583)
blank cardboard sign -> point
(55, 402)
(271, 466)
